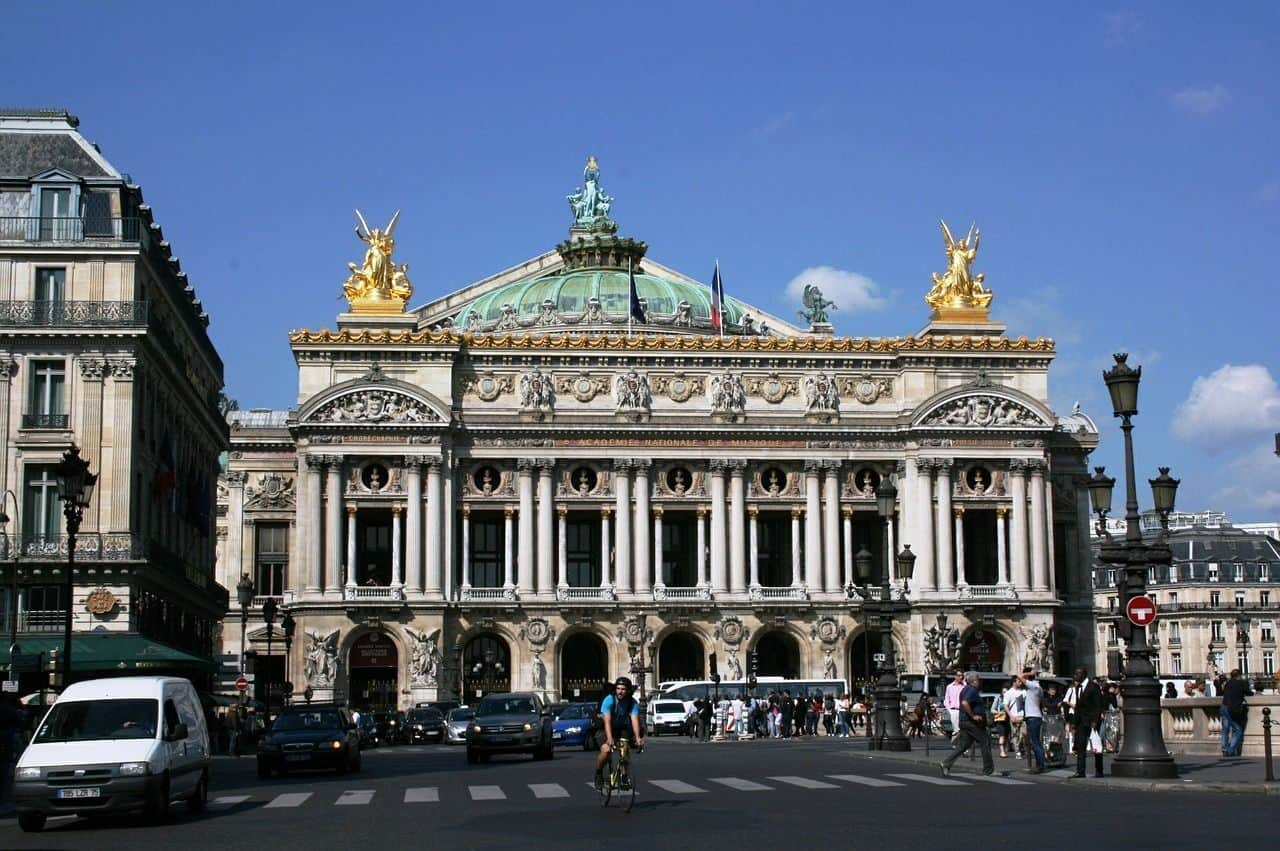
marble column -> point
(753, 516)
(113, 484)
(448, 508)
(606, 549)
(466, 548)
(508, 546)
(958, 511)
(435, 543)
(314, 500)
(702, 546)
(737, 527)
(546, 529)
(562, 547)
(353, 571)
(796, 557)
(812, 526)
(524, 539)
(846, 513)
(333, 526)
(397, 578)
(1081, 581)
(1039, 546)
(622, 511)
(1002, 546)
(831, 528)
(1052, 540)
(926, 567)
(657, 546)
(943, 527)
(413, 527)
(643, 561)
(892, 541)
(1018, 531)
(907, 502)
(719, 564)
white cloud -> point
(1201, 100)
(1232, 404)
(852, 293)
(1255, 488)
(1123, 27)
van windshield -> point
(87, 720)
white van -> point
(112, 745)
(665, 716)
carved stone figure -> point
(539, 672)
(375, 406)
(1038, 653)
(377, 279)
(983, 412)
(272, 491)
(735, 667)
(829, 664)
(726, 394)
(424, 657)
(958, 287)
(590, 202)
(631, 391)
(815, 312)
(535, 391)
(820, 394)
(321, 663)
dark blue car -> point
(576, 725)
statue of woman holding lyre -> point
(959, 287)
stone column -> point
(643, 559)
(1002, 546)
(89, 433)
(958, 511)
(657, 546)
(1052, 540)
(235, 546)
(753, 516)
(719, 566)
(524, 540)
(113, 485)
(622, 510)
(796, 559)
(397, 578)
(907, 502)
(893, 560)
(702, 546)
(435, 509)
(311, 514)
(831, 528)
(562, 547)
(926, 568)
(1082, 581)
(812, 527)
(546, 529)
(606, 549)
(353, 571)
(508, 546)
(413, 527)
(737, 530)
(448, 503)
(1039, 547)
(943, 536)
(846, 513)
(1018, 532)
(466, 548)
(333, 559)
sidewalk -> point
(1238, 775)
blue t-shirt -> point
(616, 711)
(977, 706)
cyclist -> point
(620, 717)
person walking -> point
(829, 715)
(786, 709)
(1234, 713)
(973, 727)
(843, 708)
(704, 720)
(951, 701)
(1069, 701)
(1034, 717)
(1088, 722)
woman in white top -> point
(1015, 698)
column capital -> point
(123, 370)
(1036, 466)
(562, 511)
(466, 511)
(1017, 466)
(91, 368)
(943, 466)
(526, 466)
(546, 466)
(1002, 511)
(658, 510)
(397, 510)
(351, 510)
(797, 512)
(847, 511)
(236, 478)
(508, 511)
(958, 511)
(701, 511)
(623, 466)
(606, 511)
(718, 465)
(640, 465)
(737, 466)
(753, 511)
(832, 466)
(813, 466)
(900, 467)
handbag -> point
(1095, 742)
(999, 716)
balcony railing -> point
(663, 593)
(372, 593)
(73, 314)
(48, 421)
(118, 546)
(784, 592)
(37, 621)
(69, 229)
(565, 592)
(470, 593)
(986, 592)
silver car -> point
(455, 725)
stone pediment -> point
(373, 401)
(998, 408)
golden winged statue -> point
(958, 287)
(379, 285)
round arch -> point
(983, 649)
(486, 665)
(862, 650)
(584, 667)
(374, 662)
(681, 656)
(777, 655)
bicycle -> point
(618, 778)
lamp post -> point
(288, 625)
(269, 618)
(75, 489)
(244, 596)
(638, 666)
(459, 671)
(14, 649)
(1142, 752)
(880, 611)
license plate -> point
(93, 792)
(557, 736)
(297, 757)
(501, 740)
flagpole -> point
(720, 297)
(629, 311)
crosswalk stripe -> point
(354, 798)
(1003, 781)
(803, 782)
(228, 801)
(548, 790)
(936, 781)
(740, 784)
(678, 787)
(865, 781)
(422, 795)
(487, 793)
(288, 799)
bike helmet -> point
(624, 681)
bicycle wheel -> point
(628, 793)
(606, 784)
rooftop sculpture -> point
(379, 285)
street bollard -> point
(1266, 743)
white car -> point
(455, 724)
(665, 716)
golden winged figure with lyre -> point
(958, 287)
(379, 285)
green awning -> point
(118, 652)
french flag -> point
(717, 300)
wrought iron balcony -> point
(48, 421)
(119, 546)
(73, 314)
(69, 229)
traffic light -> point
(753, 666)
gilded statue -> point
(958, 287)
(378, 283)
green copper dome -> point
(596, 297)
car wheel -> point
(31, 822)
(158, 804)
(344, 765)
(264, 773)
(472, 756)
(200, 795)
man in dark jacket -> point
(1088, 715)
(1234, 713)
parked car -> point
(514, 722)
(114, 745)
(556, 708)
(576, 725)
(665, 716)
(456, 723)
(443, 705)
(424, 725)
(315, 735)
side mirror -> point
(177, 733)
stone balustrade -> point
(1191, 725)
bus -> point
(690, 690)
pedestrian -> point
(801, 708)
(843, 707)
(1033, 698)
(1088, 722)
(1170, 691)
(1069, 700)
(786, 710)
(1000, 723)
(771, 716)
(704, 720)
(951, 701)
(1015, 706)
(973, 727)
(1110, 715)
(829, 715)
(1234, 713)
(812, 709)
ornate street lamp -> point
(75, 489)
(460, 671)
(288, 625)
(880, 610)
(244, 596)
(1142, 751)
(269, 618)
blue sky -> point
(1121, 161)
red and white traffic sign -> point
(242, 683)
(1141, 610)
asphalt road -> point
(774, 794)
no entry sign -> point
(1141, 610)
(242, 683)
